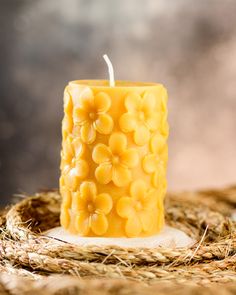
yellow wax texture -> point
(114, 158)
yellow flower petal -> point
(125, 207)
(65, 217)
(65, 171)
(164, 186)
(138, 189)
(103, 203)
(78, 93)
(74, 93)
(141, 135)
(88, 133)
(149, 102)
(102, 102)
(103, 173)
(133, 226)
(88, 190)
(157, 143)
(82, 223)
(65, 133)
(62, 181)
(149, 201)
(164, 128)
(68, 105)
(99, 224)
(164, 101)
(80, 116)
(67, 124)
(127, 122)
(68, 150)
(158, 176)
(121, 176)
(150, 163)
(64, 162)
(164, 154)
(153, 121)
(104, 124)
(80, 203)
(72, 179)
(130, 158)
(78, 147)
(101, 153)
(117, 143)
(66, 199)
(76, 131)
(86, 101)
(133, 102)
(147, 220)
(82, 168)
(160, 206)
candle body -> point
(114, 157)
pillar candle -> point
(113, 159)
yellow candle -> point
(114, 157)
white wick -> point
(110, 70)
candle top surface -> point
(118, 84)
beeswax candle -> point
(114, 157)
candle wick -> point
(110, 70)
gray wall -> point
(188, 45)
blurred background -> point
(188, 45)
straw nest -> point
(35, 264)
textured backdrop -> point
(188, 45)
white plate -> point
(169, 237)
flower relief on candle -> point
(114, 157)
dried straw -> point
(54, 285)
(205, 216)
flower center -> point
(92, 115)
(115, 160)
(138, 206)
(141, 116)
(90, 208)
